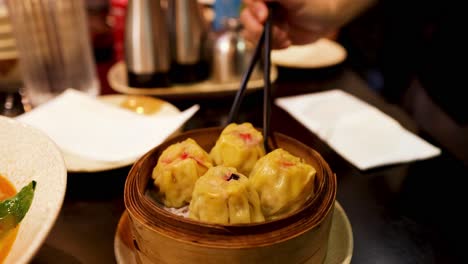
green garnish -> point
(13, 210)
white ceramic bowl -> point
(26, 154)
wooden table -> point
(408, 213)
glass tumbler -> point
(54, 48)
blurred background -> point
(363, 39)
(407, 55)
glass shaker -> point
(54, 48)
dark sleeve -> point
(443, 72)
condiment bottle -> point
(188, 38)
(231, 54)
(146, 45)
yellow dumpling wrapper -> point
(178, 168)
(238, 146)
(283, 182)
(224, 196)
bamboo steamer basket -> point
(163, 237)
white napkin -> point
(359, 132)
(82, 125)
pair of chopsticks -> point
(265, 43)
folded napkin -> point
(82, 125)
(359, 132)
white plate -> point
(340, 242)
(79, 164)
(27, 154)
(322, 53)
(118, 81)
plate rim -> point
(343, 54)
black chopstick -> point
(266, 78)
(265, 43)
(245, 79)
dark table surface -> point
(406, 213)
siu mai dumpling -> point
(238, 146)
(283, 182)
(224, 196)
(178, 168)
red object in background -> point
(118, 9)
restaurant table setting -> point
(100, 207)
(161, 236)
(371, 198)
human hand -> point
(255, 13)
(299, 22)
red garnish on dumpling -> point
(231, 176)
(246, 136)
(227, 176)
(184, 155)
(286, 163)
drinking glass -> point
(10, 76)
(54, 48)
